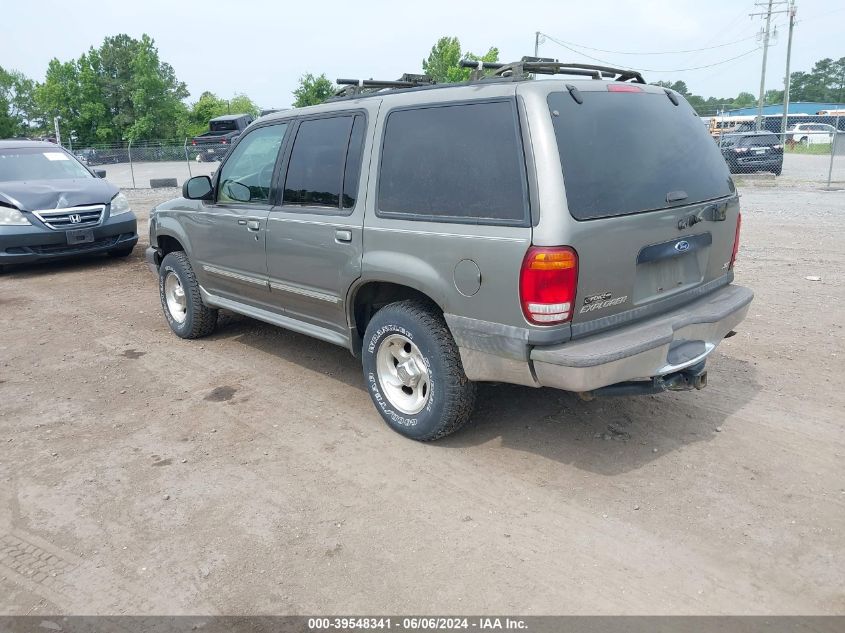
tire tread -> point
(204, 318)
(458, 391)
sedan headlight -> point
(12, 217)
(119, 204)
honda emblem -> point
(75, 218)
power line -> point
(653, 70)
(690, 50)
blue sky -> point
(260, 49)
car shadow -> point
(310, 353)
(610, 435)
(605, 436)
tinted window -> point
(462, 162)
(315, 172)
(222, 126)
(353, 163)
(248, 173)
(39, 164)
(762, 140)
(624, 152)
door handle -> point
(343, 236)
(253, 225)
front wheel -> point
(414, 373)
(181, 301)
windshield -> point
(36, 163)
(626, 152)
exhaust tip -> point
(700, 381)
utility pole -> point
(768, 13)
(536, 43)
(787, 78)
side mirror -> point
(198, 188)
(100, 173)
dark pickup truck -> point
(222, 132)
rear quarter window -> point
(455, 163)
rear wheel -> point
(181, 301)
(414, 373)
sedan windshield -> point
(38, 163)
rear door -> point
(314, 236)
(654, 208)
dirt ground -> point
(249, 473)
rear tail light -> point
(623, 88)
(736, 240)
(548, 282)
(223, 141)
(193, 142)
(778, 146)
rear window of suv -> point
(760, 140)
(624, 152)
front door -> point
(231, 232)
(314, 236)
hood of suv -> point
(37, 195)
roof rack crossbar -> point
(358, 86)
(547, 66)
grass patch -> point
(798, 148)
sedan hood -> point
(37, 195)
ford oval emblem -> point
(682, 246)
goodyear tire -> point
(181, 302)
(414, 373)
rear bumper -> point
(664, 345)
(25, 244)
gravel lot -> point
(249, 473)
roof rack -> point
(353, 87)
(546, 66)
(521, 70)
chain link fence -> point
(811, 150)
(159, 163)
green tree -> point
(119, 91)
(825, 82)
(209, 105)
(442, 63)
(773, 97)
(17, 108)
(313, 90)
(677, 86)
(744, 100)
